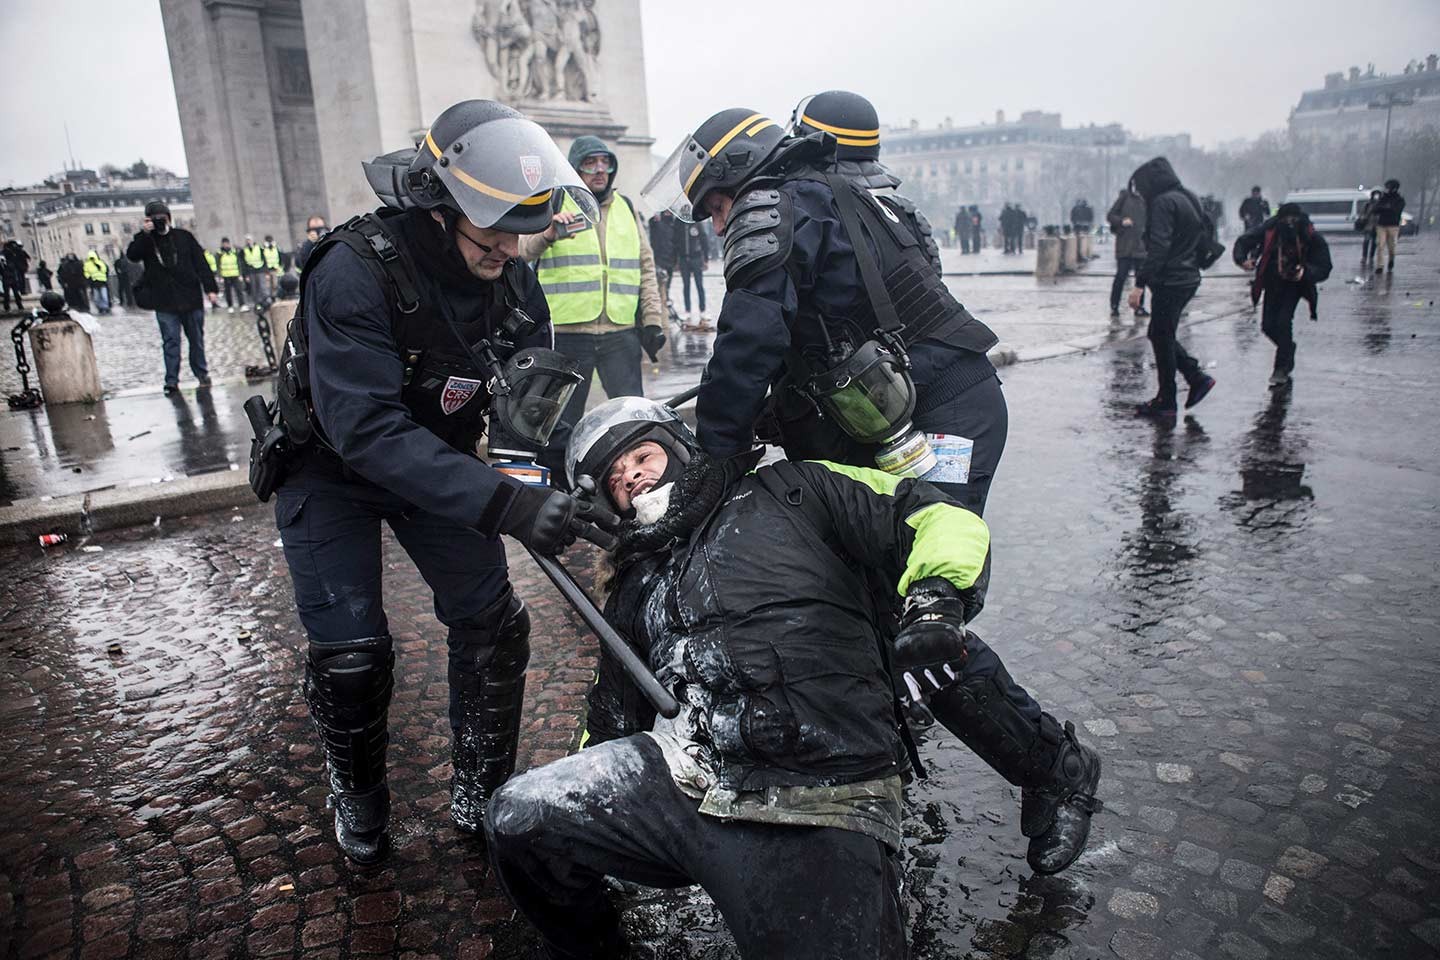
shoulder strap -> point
(371, 228)
(885, 316)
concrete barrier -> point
(1068, 253)
(1087, 247)
(281, 313)
(65, 362)
(1047, 256)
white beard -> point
(651, 505)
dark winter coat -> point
(768, 619)
(1253, 210)
(1388, 208)
(176, 272)
(71, 272)
(665, 240)
(1129, 241)
(1173, 227)
(1263, 244)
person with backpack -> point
(1387, 212)
(1179, 242)
(1289, 258)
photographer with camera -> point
(315, 230)
(176, 274)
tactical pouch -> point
(268, 448)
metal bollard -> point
(65, 360)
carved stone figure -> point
(541, 49)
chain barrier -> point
(28, 398)
(262, 326)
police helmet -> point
(722, 154)
(615, 426)
(487, 162)
(849, 116)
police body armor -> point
(903, 301)
(444, 389)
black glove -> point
(652, 338)
(930, 649)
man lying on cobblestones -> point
(385, 434)
(778, 786)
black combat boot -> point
(348, 688)
(487, 692)
(1056, 774)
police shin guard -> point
(1057, 775)
(348, 687)
(487, 691)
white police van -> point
(1334, 211)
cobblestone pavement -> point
(1238, 611)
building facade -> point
(280, 101)
(103, 220)
(1340, 114)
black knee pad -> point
(348, 688)
(497, 642)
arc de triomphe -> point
(280, 100)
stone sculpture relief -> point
(541, 49)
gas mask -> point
(868, 393)
(528, 394)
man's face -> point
(314, 227)
(484, 251)
(634, 472)
(718, 205)
(225, 245)
(596, 170)
(1255, 192)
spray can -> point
(52, 539)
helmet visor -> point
(669, 188)
(505, 164)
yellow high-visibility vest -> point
(95, 270)
(229, 263)
(580, 284)
(210, 260)
(272, 257)
(254, 258)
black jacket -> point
(1388, 208)
(175, 269)
(1253, 210)
(1129, 241)
(1173, 228)
(768, 619)
(71, 272)
(665, 239)
(1263, 245)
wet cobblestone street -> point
(1239, 611)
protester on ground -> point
(97, 275)
(1127, 222)
(1366, 224)
(1387, 223)
(177, 281)
(1174, 229)
(232, 274)
(778, 786)
(1290, 258)
(599, 280)
(1254, 210)
(383, 424)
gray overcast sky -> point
(1155, 67)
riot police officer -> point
(382, 397)
(834, 306)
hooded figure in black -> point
(1290, 258)
(1174, 227)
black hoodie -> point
(1173, 227)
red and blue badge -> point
(457, 393)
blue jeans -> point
(101, 295)
(192, 322)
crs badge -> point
(532, 168)
(457, 393)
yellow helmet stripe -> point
(767, 122)
(842, 131)
(720, 145)
(485, 188)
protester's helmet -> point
(615, 426)
(487, 162)
(722, 154)
(848, 116)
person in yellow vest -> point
(97, 274)
(600, 284)
(254, 268)
(271, 255)
(230, 274)
(214, 266)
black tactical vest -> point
(445, 385)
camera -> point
(161, 225)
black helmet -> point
(725, 152)
(487, 162)
(849, 116)
(615, 426)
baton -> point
(635, 668)
(686, 397)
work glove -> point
(652, 338)
(547, 521)
(930, 648)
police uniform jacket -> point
(386, 437)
